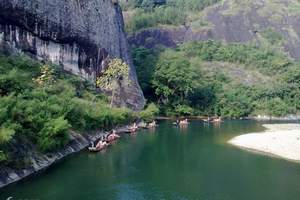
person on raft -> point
(184, 122)
(133, 128)
(112, 136)
(101, 144)
(176, 123)
(152, 124)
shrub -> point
(13, 81)
(3, 157)
(6, 134)
(184, 110)
(149, 113)
(54, 135)
(39, 104)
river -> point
(167, 163)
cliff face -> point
(234, 21)
(78, 35)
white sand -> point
(281, 140)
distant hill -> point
(264, 22)
(231, 58)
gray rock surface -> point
(233, 21)
(79, 35)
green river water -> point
(168, 163)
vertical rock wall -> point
(79, 35)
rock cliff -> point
(78, 35)
(234, 21)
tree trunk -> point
(115, 85)
(112, 98)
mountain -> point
(78, 35)
(255, 21)
(225, 58)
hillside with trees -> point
(40, 106)
(214, 78)
(153, 13)
(190, 61)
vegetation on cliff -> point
(149, 13)
(183, 80)
(110, 79)
(39, 104)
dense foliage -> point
(39, 105)
(182, 84)
(149, 113)
(151, 13)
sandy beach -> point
(280, 140)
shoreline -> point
(268, 154)
(278, 140)
(255, 118)
(79, 142)
(40, 162)
(291, 117)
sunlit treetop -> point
(117, 70)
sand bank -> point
(281, 140)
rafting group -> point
(185, 122)
(132, 129)
(107, 139)
(181, 122)
(151, 124)
(104, 141)
(213, 120)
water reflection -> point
(152, 130)
(168, 162)
(183, 128)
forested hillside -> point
(151, 13)
(40, 105)
(210, 76)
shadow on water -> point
(192, 162)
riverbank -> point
(280, 140)
(291, 117)
(256, 118)
(40, 162)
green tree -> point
(116, 71)
(173, 77)
(46, 76)
(145, 60)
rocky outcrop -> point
(78, 35)
(234, 21)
